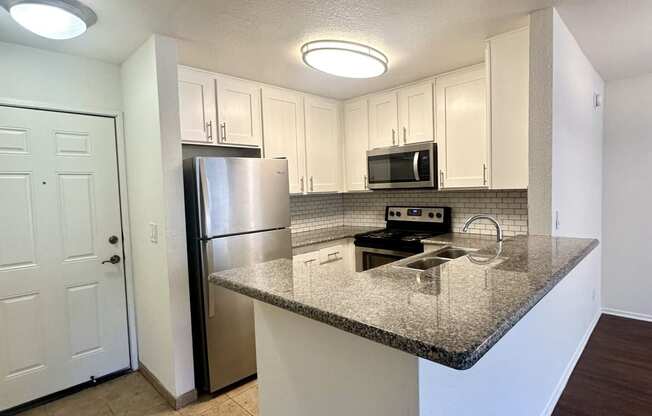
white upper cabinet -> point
(509, 72)
(462, 140)
(239, 113)
(197, 106)
(356, 144)
(323, 155)
(416, 114)
(283, 132)
(383, 120)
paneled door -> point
(63, 317)
(356, 144)
(197, 110)
(383, 120)
(238, 109)
(416, 113)
(283, 128)
(323, 155)
(462, 139)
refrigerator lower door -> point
(230, 336)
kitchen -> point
(503, 119)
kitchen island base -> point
(306, 367)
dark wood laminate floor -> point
(614, 374)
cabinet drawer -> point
(310, 258)
(330, 254)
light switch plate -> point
(153, 232)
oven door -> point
(368, 258)
(411, 166)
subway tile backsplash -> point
(311, 212)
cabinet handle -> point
(393, 137)
(223, 129)
(366, 183)
(308, 261)
(301, 181)
(404, 135)
(209, 131)
(484, 173)
(333, 254)
(441, 178)
(312, 187)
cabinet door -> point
(238, 105)
(383, 120)
(416, 114)
(323, 160)
(197, 106)
(356, 143)
(283, 133)
(509, 60)
(462, 129)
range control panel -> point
(415, 214)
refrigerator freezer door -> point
(230, 335)
(240, 195)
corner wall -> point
(627, 197)
(155, 180)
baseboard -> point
(626, 314)
(176, 402)
(561, 385)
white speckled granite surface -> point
(452, 314)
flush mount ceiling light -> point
(344, 59)
(53, 19)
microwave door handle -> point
(415, 166)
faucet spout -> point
(499, 229)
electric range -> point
(406, 227)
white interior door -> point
(63, 313)
(283, 127)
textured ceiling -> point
(260, 39)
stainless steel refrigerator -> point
(238, 214)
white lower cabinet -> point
(284, 133)
(462, 139)
(356, 144)
(338, 251)
(323, 147)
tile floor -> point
(132, 395)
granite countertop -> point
(452, 314)
(306, 238)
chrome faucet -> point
(499, 229)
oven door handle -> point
(415, 166)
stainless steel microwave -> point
(409, 166)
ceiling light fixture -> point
(52, 19)
(344, 59)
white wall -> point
(154, 176)
(577, 139)
(66, 81)
(627, 197)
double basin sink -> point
(436, 258)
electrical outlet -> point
(153, 232)
(593, 295)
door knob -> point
(115, 259)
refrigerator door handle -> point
(211, 301)
(205, 214)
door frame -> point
(118, 119)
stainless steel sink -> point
(452, 253)
(426, 263)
